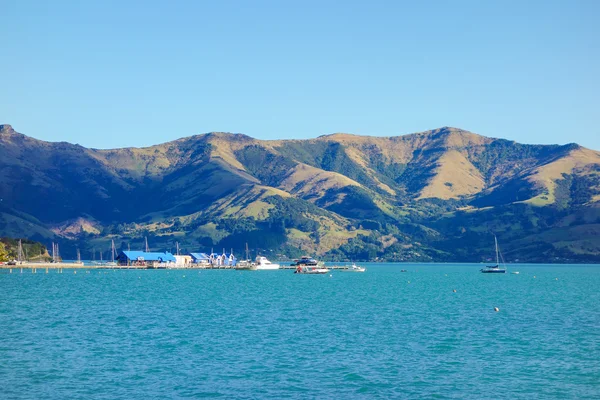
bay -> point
(431, 332)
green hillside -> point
(435, 195)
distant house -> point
(222, 260)
(142, 258)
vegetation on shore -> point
(32, 250)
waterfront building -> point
(144, 258)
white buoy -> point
(454, 290)
(74, 272)
(496, 309)
(408, 281)
(11, 270)
(556, 278)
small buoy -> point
(184, 276)
(454, 290)
(556, 278)
(534, 277)
(408, 281)
(496, 309)
(74, 272)
(445, 274)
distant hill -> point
(435, 195)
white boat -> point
(354, 268)
(113, 251)
(263, 263)
(494, 269)
(247, 264)
(307, 269)
(515, 273)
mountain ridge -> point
(338, 189)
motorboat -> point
(306, 269)
(264, 263)
(307, 262)
(353, 268)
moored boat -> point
(245, 265)
(264, 263)
(494, 269)
(310, 270)
(306, 261)
(353, 268)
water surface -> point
(273, 334)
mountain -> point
(434, 195)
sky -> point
(109, 74)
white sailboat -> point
(79, 258)
(246, 265)
(494, 269)
(112, 263)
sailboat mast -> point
(113, 250)
(20, 252)
(496, 241)
(146, 237)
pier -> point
(44, 265)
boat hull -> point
(493, 271)
(267, 267)
(311, 271)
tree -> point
(3, 252)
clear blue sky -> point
(135, 73)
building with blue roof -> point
(144, 258)
(200, 258)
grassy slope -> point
(172, 189)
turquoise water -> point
(273, 334)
